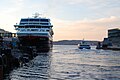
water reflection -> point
(67, 62)
(37, 69)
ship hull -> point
(42, 43)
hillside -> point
(73, 42)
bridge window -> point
(24, 20)
(45, 20)
(44, 23)
(33, 19)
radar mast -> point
(36, 15)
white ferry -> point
(36, 31)
(83, 45)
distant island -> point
(74, 42)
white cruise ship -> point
(36, 31)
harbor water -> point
(67, 62)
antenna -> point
(36, 15)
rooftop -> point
(3, 31)
(114, 29)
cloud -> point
(72, 19)
(9, 12)
(80, 9)
(88, 29)
(91, 2)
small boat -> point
(83, 45)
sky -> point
(71, 19)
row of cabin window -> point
(45, 20)
(34, 27)
(33, 30)
(34, 23)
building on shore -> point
(114, 37)
(7, 39)
(106, 43)
(4, 33)
(112, 42)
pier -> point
(12, 55)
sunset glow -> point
(71, 19)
